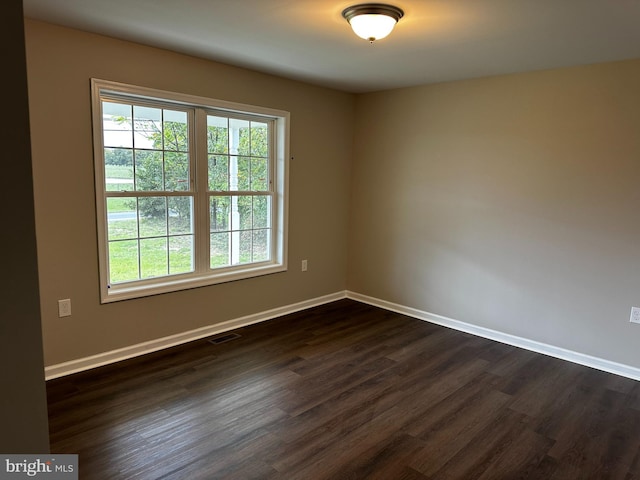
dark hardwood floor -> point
(347, 391)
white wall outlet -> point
(64, 308)
(304, 265)
(635, 315)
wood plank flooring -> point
(347, 391)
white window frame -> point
(203, 274)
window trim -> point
(171, 283)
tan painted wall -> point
(60, 63)
(511, 202)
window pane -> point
(122, 218)
(239, 137)
(239, 169)
(180, 215)
(219, 246)
(245, 213)
(123, 261)
(153, 257)
(259, 139)
(116, 125)
(218, 173)
(176, 171)
(152, 215)
(261, 250)
(147, 124)
(175, 131)
(118, 169)
(181, 254)
(148, 170)
(261, 211)
(259, 174)
(217, 134)
(219, 214)
(246, 243)
(234, 214)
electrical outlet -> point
(64, 308)
(635, 315)
(304, 265)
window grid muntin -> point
(231, 150)
(232, 229)
(136, 194)
(132, 101)
(278, 166)
(141, 237)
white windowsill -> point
(127, 291)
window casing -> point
(190, 191)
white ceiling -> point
(436, 41)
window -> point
(190, 191)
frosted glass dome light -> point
(372, 21)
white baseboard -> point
(550, 350)
(74, 366)
(79, 365)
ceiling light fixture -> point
(372, 21)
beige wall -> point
(60, 63)
(512, 203)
